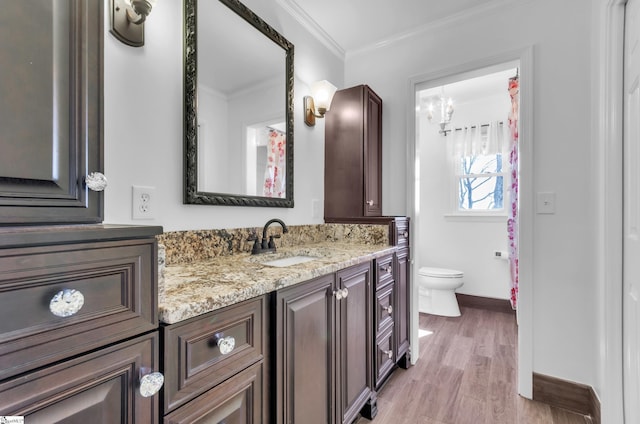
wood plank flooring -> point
(466, 375)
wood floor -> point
(466, 375)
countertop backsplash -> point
(194, 246)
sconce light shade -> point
(127, 20)
(316, 105)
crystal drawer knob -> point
(338, 294)
(151, 383)
(96, 181)
(405, 234)
(226, 344)
(389, 353)
(389, 309)
(345, 293)
(369, 202)
(66, 303)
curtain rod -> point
(475, 126)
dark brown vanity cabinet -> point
(214, 366)
(78, 323)
(322, 348)
(50, 112)
(402, 271)
(384, 318)
(353, 154)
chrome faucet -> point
(265, 245)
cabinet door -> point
(372, 153)
(403, 300)
(354, 330)
(353, 154)
(304, 352)
(50, 111)
(97, 388)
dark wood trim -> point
(488, 303)
(568, 395)
(594, 406)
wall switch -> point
(546, 203)
(142, 202)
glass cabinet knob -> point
(345, 293)
(226, 344)
(338, 294)
(369, 202)
(96, 181)
(66, 303)
(389, 309)
(151, 383)
(405, 234)
(389, 353)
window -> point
(480, 183)
(481, 170)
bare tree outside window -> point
(481, 183)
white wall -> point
(143, 124)
(564, 283)
(460, 242)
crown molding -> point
(436, 25)
(303, 18)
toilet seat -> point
(440, 272)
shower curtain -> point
(274, 174)
(512, 223)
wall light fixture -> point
(446, 111)
(127, 20)
(316, 105)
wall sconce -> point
(446, 111)
(127, 20)
(321, 95)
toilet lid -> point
(440, 272)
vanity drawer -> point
(118, 281)
(101, 387)
(384, 308)
(402, 232)
(384, 271)
(237, 400)
(193, 360)
(384, 359)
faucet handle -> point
(256, 244)
(272, 244)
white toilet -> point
(436, 291)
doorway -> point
(508, 63)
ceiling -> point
(356, 24)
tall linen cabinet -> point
(353, 154)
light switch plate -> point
(546, 203)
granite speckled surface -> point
(200, 245)
(201, 271)
(192, 289)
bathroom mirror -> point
(238, 108)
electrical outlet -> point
(142, 202)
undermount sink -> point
(289, 261)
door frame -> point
(526, 210)
(608, 153)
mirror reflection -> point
(242, 136)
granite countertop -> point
(192, 289)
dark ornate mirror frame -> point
(191, 193)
